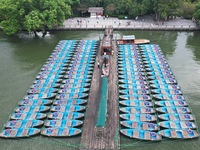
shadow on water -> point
(194, 44)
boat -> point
(75, 85)
(26, 109)
(136, 103)
(42, 90)
(163, 81)
(130, 39)
(139, 117)
(137, 110)
(167, 91)
(85, 76)
(72, 96)
(160, 77)
(45, 85)
(39, 102)
(171, 103)
(165, 86)
(59, 72)
(177, 124)
(49, 76)
(74, 90)
(132, 77)
(29, 116)
(70, 102)
(63, 123)
(40, 96)
(135, 97)
(71, 81)
(129, 65)
(134, 91)
(65, 115)
(168, 97)
(179, 134)
(179, 117)
(178, 110)
(124, 81)
(23, 123)
(44, 81)
(68, 108)
(131, 86)
(129, 61)
(19, 132)
(165, 73)
(141, 134)
(81, 69)
(140, 125)
(131, 73)
(131, 69)
(60, 132)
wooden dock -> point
(110, 135)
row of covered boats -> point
(58, 94)
(152, 104)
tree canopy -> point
(33, 15)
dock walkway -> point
(109, 140)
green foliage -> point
(32, 15)
(187, 10)
(197, 12)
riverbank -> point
(142, 23)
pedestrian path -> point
(140, 23)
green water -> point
(21, 58)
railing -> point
(134, 27)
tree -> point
(187, 9)
(33, 15)
(197, 13)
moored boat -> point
(38, 102)
(65, 115)
(140, 125)
(141, 134)
(63, 123)
(173, 117)
(29, 115)
(178, 103)
(178, 110)
(179, 134)
(68, 108)
(72, 96)
(139, 117)
(136, 110)
(70, 102)
(136, 103)
(39, 96)
(60, 131)
(23, 123)
(19, 132)
(33, 108)
(168, 97)
(178, 124)
(135, 97)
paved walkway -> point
(146, 23)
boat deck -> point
(109, 140)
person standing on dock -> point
(98, 64)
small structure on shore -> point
(130, 39)
(95, 12)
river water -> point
(21, 58)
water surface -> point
(21, 58)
